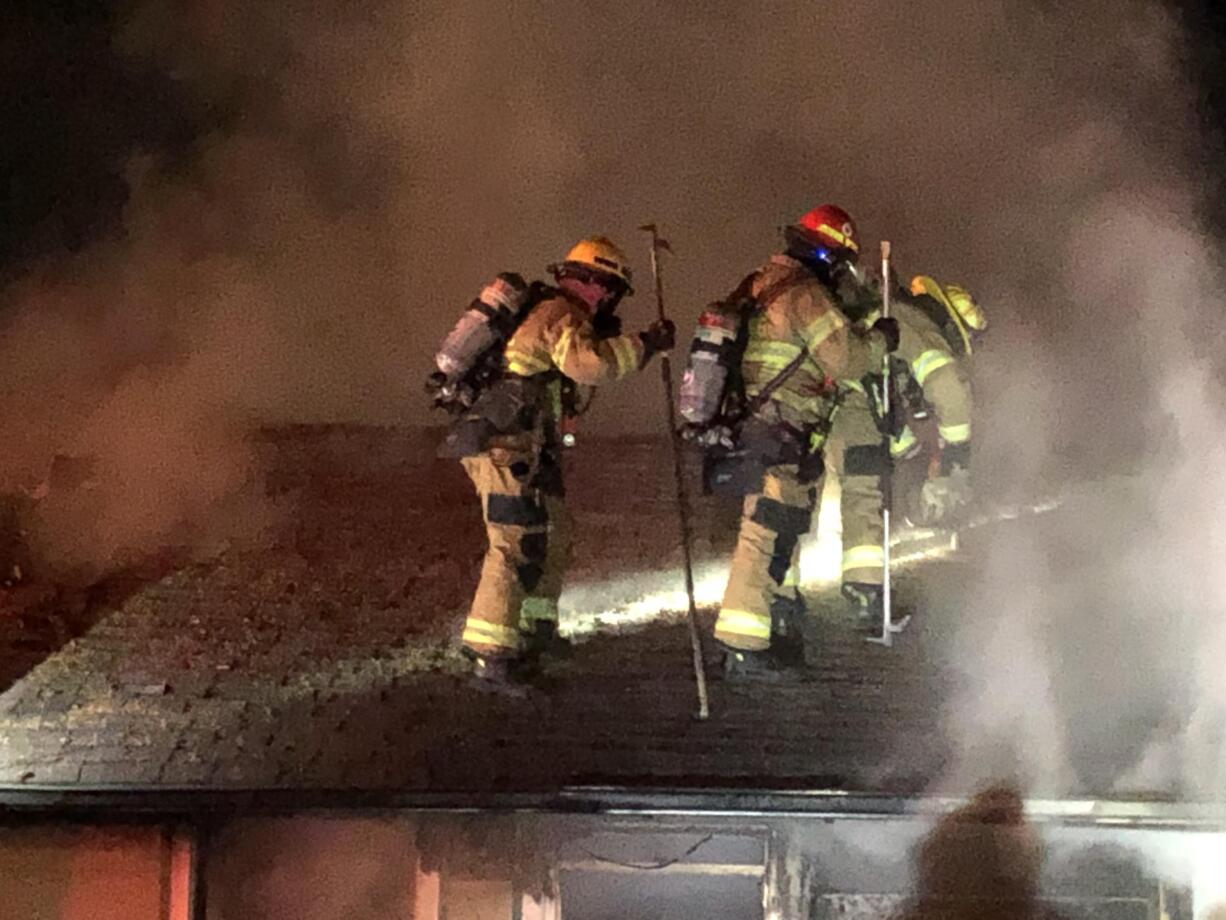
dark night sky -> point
(73, 111)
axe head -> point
(656, 240)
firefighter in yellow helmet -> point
(570, 335)
(929, 375)
(798, 345)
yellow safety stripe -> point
(562, 346)
(929, 361)
(538, 608)
(839, 236)
(774, 355)
(821, 329)
(769, 364)
(902, 442)
(525, 363)
(955, 434)
(743, 623)
(863, 557)
(626, 354)
(791, 578)
(479, 632)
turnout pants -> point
(764, 563)
(866, 461)
(529, 545)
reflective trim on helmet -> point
(743, 623)
(594, 274)
(525, 363)
(955, 434)
(928, 362)
(868, 556)
(839, 237)
(490, 635)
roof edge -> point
(29, 802)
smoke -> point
(1091, 644)
(373, 162)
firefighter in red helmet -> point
(798, 347)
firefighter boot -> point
(741, 666)
(542, 642)
(502, 674)
(867, 608)
(787, 631)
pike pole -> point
(683, 502)
(887, 480)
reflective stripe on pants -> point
(528, 548)
(767, 549)
(865, 461)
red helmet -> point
(831, 228)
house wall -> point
(91, 874)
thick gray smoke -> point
(389, 157)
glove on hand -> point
(659, 336)
(606, 325)
(888, 327)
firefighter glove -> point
(659, 336)
(887, 326)
(606, 324)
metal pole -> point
(683, 502)
(887, 626)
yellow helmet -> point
(957, 300)
(970, 311)
(595, 255)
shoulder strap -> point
(768, 390)
(489, 365)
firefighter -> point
(799, 346)
(518, 476)
(929, 375)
